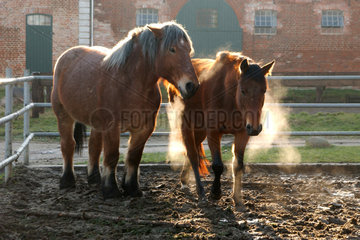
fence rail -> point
(9, 81)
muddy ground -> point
(276, 206)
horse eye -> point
(172, 50)
(243, 92)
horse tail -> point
(203, 162)
(79, 136)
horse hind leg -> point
(111, 141)
(67, 142)
(95, 147)
(194, 158)
(184, 177)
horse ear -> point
(156, 31)
(267, 69)
(244, 66)
(222, 56)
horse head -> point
(173, 61)
(250, 94)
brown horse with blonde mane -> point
(229, 101)
(114, 91)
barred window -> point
(207, 18)
(146, 16)
(332, 19)
(265, 22)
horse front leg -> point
(217, 165)
(185, 173)
(130, 182)
(241, 139)
(111, 141)
(95, 147)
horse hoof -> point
(216, 195)
(202, 202)
(238, 201)
(110, 192)
(94, 178)
(67, 181)
(134, 193)
(184, 187)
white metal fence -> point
(9, 82)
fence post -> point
(37, 95)
(26, 116)
(8, 125)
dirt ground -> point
(275, 206)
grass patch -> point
(330, 95)
(2, 176)
(324, 121)
(45, 123)
(334, 154)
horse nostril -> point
(248, 128)
(189, 87)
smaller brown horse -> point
(113, 91)
(229, 101)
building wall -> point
(299, 46)
(13, 29)
(113, 19)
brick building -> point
(34, 33)
(304, 36)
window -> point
(207, 18)
(332, 19)
(332, 22)
(146, 16)
(265, 22)
(38, 20)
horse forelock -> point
(173, 33)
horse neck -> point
(140, 73)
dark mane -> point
(172, 33)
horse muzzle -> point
(253, 132)
(189, 90)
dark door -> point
(212, 26)
(39, 43)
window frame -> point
(332, 18)
(265, 22)
(38, 19)
(146, 16)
